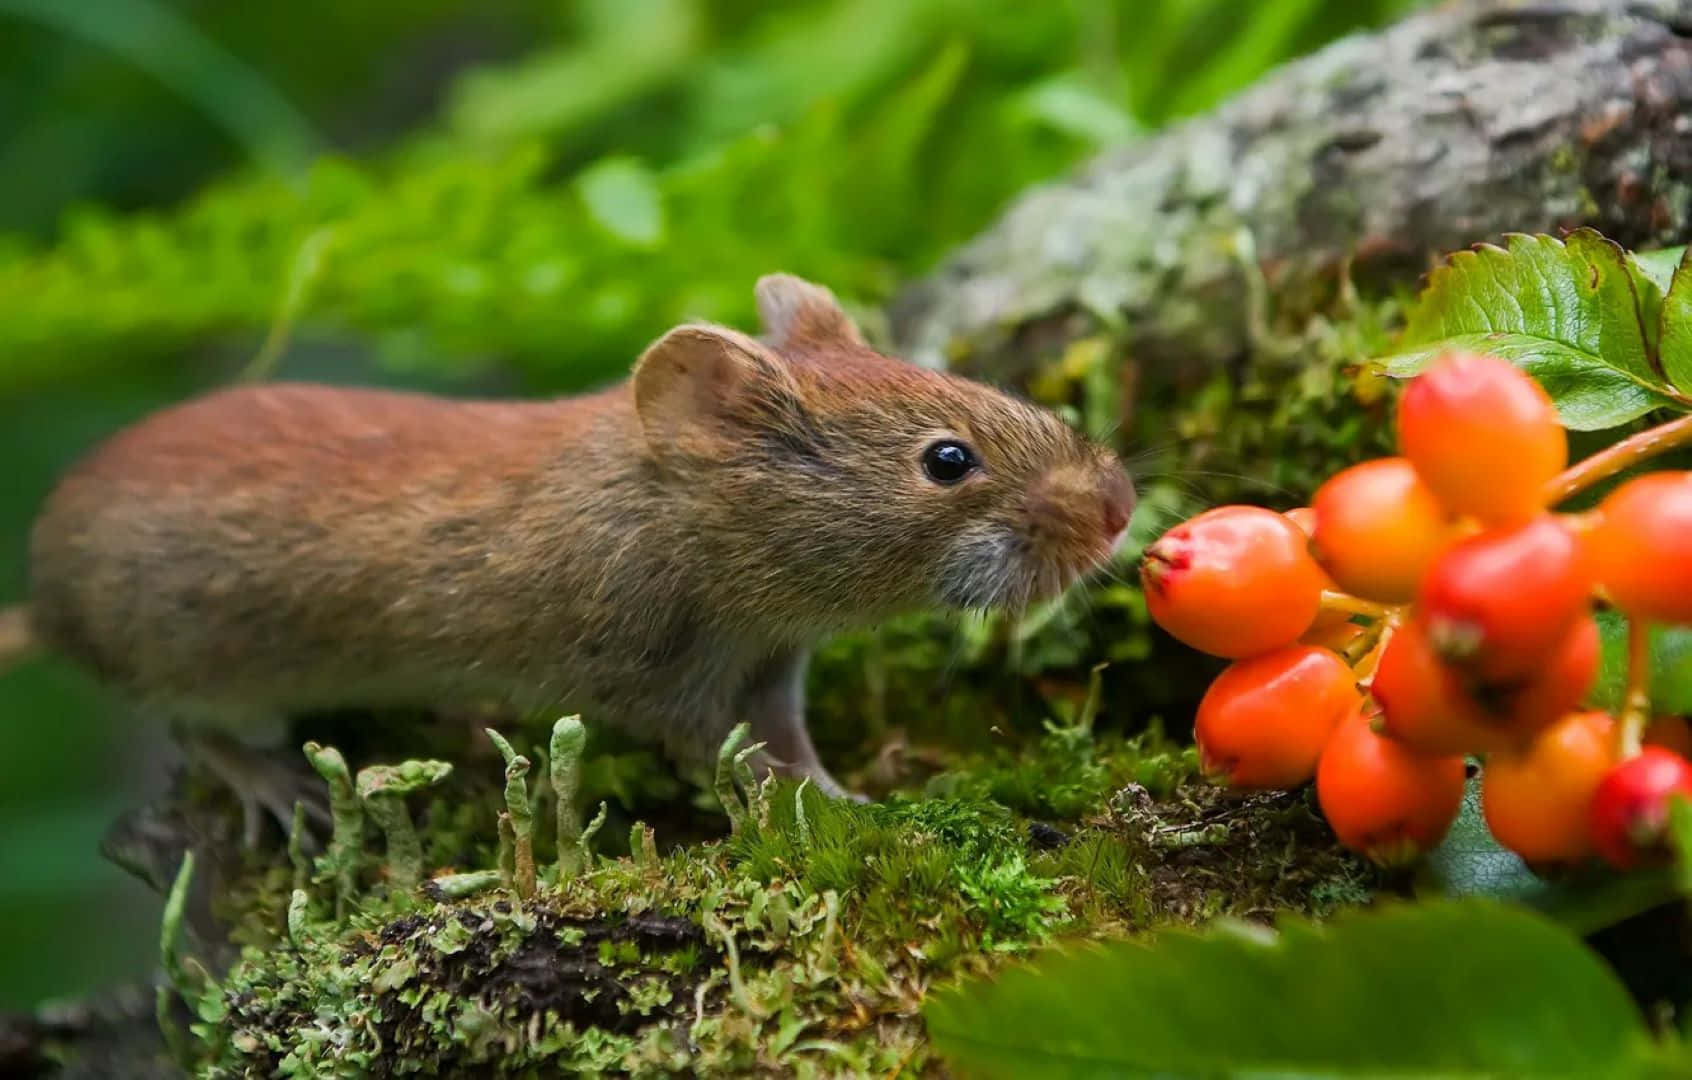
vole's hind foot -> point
(262, 784)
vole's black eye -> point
(947, 461)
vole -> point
(661, 555)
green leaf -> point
(1445, 988)
(1671, 665)
(1658, 265)
(1578, 315)
(1590, 395)
(622, 195)
(1674, 341)
(1469, 862)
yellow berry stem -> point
(1353, 605)
(1625, 454)
(1377, 635)
(1636, 704)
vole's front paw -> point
(262, 784)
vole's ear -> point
(795, 311)
(700, 381)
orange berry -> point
(1235, 581)
(1384, 800)
(1264, 720)
(1378, 528)
(1498, 603)
(1538, 801)
(1327, 618)
(1483, 435)
(1641, 546)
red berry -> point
(1642, 546)
(1631, 807)
(1538, 801)
(1428, 706)
(1558, 688)
(1383, 799)
(1235, 581)
(1423, 703)
(1378, 528)
(1498, 603)
(1264, 720)
(1484, 435)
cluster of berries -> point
(1432, 606)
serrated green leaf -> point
(1445, 988)
(1671, 665)
(622, 195)
(1590, 395)
(1469, 862)
(1658, 265)
(1674, 340)
(1579, 315)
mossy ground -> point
(801, 945)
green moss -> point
(802, 943)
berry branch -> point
(1623, 455)
(1333, 600)
(1636, 704)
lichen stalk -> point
(569, 741)
(521, 814)
(724, 785)
(383, 789)
(346, 839)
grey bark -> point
(1457, 125)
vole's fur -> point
(661, 555)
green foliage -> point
(1671, 665)
(1675, 346)
(1434, 989)
(555, 221)
(1579, 315)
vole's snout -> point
(1078, 513)
(1117, 500)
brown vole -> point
(661, 555)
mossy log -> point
(1381, 151)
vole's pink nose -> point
(1118, 502)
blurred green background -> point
(512, 195)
